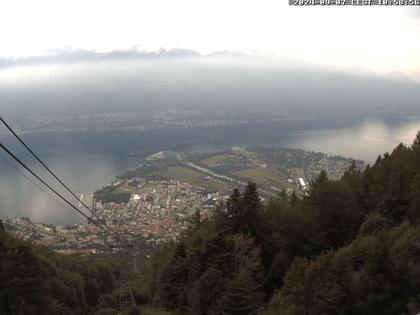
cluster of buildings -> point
(189, 118)
(334, 166)
(70, 239)
(158, 211)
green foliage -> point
(334, 210)
(20, 278)
(132, 311)
(206, 291)
(374, 223)
(107, 311)
(35, 281)
(112, 194)
(388, 184)
(351, 246)
(243, 292)
(309, 288)
(376, 274)
(414, 206)
(211, 270)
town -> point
(156, 202)
(157, 211)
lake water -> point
(89, 160)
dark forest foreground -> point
(350, 246)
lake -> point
(89, 160)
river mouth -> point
(87, 160)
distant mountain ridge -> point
(77, 55)
(84, 90)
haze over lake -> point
(93, 115)
(87, 160)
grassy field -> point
(263, 175)
(129, 189)
(197, 178)
(184, 174)
(216, 185)
(215, 159)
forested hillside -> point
(35, 281)
(350, 246)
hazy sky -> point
(379, 38)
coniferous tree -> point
(309, 289)
(206, 291)
(34, 280)
(317, 185)
(234, 211)
(293, 199)
(243, 294)
(249, 213)
(277, 270)
(334, 211)
(177, 277)
(414, 208)
(416, 149)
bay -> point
(88, 160)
